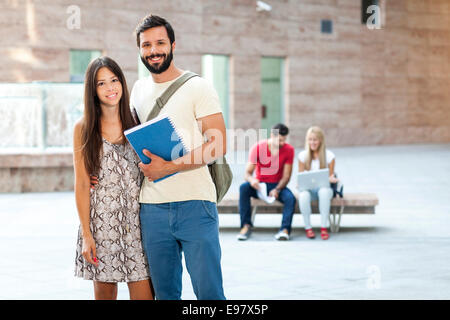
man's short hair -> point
(280, 129)
(152, 21)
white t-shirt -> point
(315, 163)
(195, 99)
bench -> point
(354, 203)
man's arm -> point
(213, 127)
(287, 170)
(249, 176)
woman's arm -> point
(333, 179)
(82, 196)
(301, 166)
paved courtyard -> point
(401, 252)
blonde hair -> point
(309, 154)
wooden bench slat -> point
(354, 203)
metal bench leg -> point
(334, 226)
(341, 210)
(332, 219)
(253, 214)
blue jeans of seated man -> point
(246, 191)
(324, 195)
(188, 226)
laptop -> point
(310, 180)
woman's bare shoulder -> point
(78, 126)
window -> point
(79, 60)
(327, 26)
(215, 68)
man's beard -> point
(162, 66)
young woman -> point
(315, 157)
(109, 248)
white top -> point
(197, 98)
(315, 163)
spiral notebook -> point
(160, 137)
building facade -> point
(362, 86)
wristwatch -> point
(278, 190)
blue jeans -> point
(191, 227)
(286, 197)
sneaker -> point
(244, 234)
(282, 236)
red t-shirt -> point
(268, 168)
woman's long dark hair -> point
(91, 137)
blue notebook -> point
(160, 137)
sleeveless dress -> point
(114, 220)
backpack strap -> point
(162, 100)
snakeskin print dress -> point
(114, 220)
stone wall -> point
(36, 171)
(362, 86)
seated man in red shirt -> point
(272, 159)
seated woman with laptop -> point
(316, 172)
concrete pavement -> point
(401, 252)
